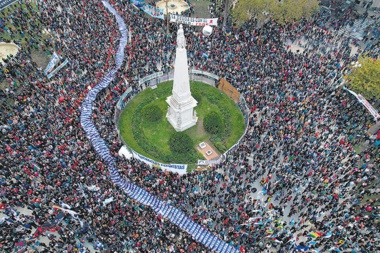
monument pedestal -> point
(181, 115)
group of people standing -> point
(296, 182)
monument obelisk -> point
(181, 113)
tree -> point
(365, 79)
(280, 10)
(213, 123)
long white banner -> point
(364, 102)
(120, 104)
(369, 107)
(177, 168)
(150, 77)
(193, 21)
(200, 72)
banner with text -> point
(369, 107)
(150, 77)
(120, 104)
(364, 102)
(177, 168)
(193, 21)
(200, 72)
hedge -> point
(180, 143)
(152, 113)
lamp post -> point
(167, 17)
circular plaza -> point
(150, 135)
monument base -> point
(181, 127)
(181, 115)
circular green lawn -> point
(151, 138)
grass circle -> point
(152, 138)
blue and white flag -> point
(53, 61)
(58, 68)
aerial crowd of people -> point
(296, 182)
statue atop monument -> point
(181, 40)
(181, 114)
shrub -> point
(152, 113)
(220, 147)
(180, 142)
(213, 123)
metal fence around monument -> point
(201, 76)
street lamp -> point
(167, 16)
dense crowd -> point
(295, 181)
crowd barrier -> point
(174, 215)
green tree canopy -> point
(213, 123)
(280, 10)
(365, 79)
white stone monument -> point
(181, 113)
